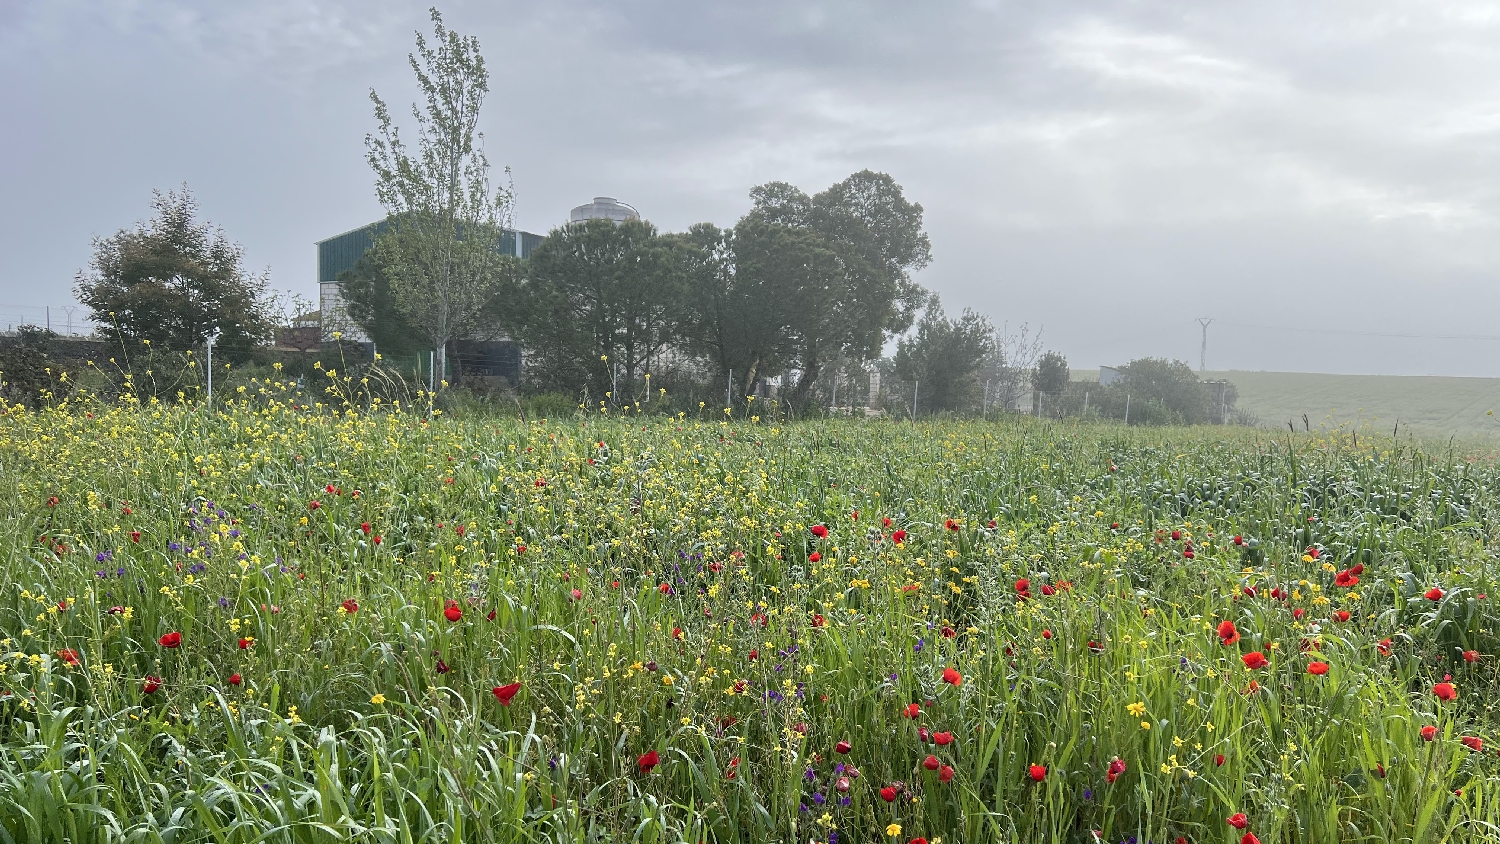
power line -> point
(1320, 330)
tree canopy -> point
(173, 280)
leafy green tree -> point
(372, 307)
(945, 358)
(599, 295)
(24, 375)
(174, 281)
(737, 300)
(441, 250)
(1051, 374)
(854, 288)
(1172, 383)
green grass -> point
(651, 584)
(1425, 404)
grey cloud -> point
(1107, 170)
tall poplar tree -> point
(443, 250)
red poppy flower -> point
(68, 655)
(1095, 647)
(1238, 820)
(1429, 733)
(1249, 591)
(950, 524)
(948, 632)
(942, 739)
(1384, 646)
(506, 692)
(1116, 768)
(1219, 761)
(917, 841)
(945, 774)
(1176, 535)
(350, 606)
(814, 557)
(665, 588)
(1318, 668)
(1023, 585)
(885, 522)
(1046, 634)
(234, 679)
(1341, 616)
(843, 747)
(452, 612)
(170, 640)
(911, 710)
(1298, 613)
(1474, 743)
(1188, 554)
(151, 684)
(245, 644)
(1048, 590)
(931, 763)
(1346, 578)
(1445, 691)
(646, 761)
(1471, 656)
(576, 594)
(135, 536)
(819, 620)
(365, 527)
(951, 676)
(888, 794)
(1433, 594)
(1037, 772)
(1228, 633)
(841, 785)
(819, 531)
(1249, 838)
(442, 667)
(1238, 540)
(1254, 660)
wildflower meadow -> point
(280, 623)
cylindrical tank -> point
(604, 208)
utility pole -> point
(212, 336)
(1203, 354)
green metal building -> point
(339, 253)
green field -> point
(1426, 404)
(1429, 406)
(283, 624)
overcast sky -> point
(1318, 177)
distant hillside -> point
(1425, 403)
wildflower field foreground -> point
(281, 625)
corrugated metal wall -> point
(338, 253)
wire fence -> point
(67, 320)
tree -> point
(441, 251)
(371, 306)
(735, 314)
(24, 370)
(864, 240)
(1172, 383)
(1051, 374)
(600, 295)
(945, 357)
(174, 281)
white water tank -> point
(604, 208)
